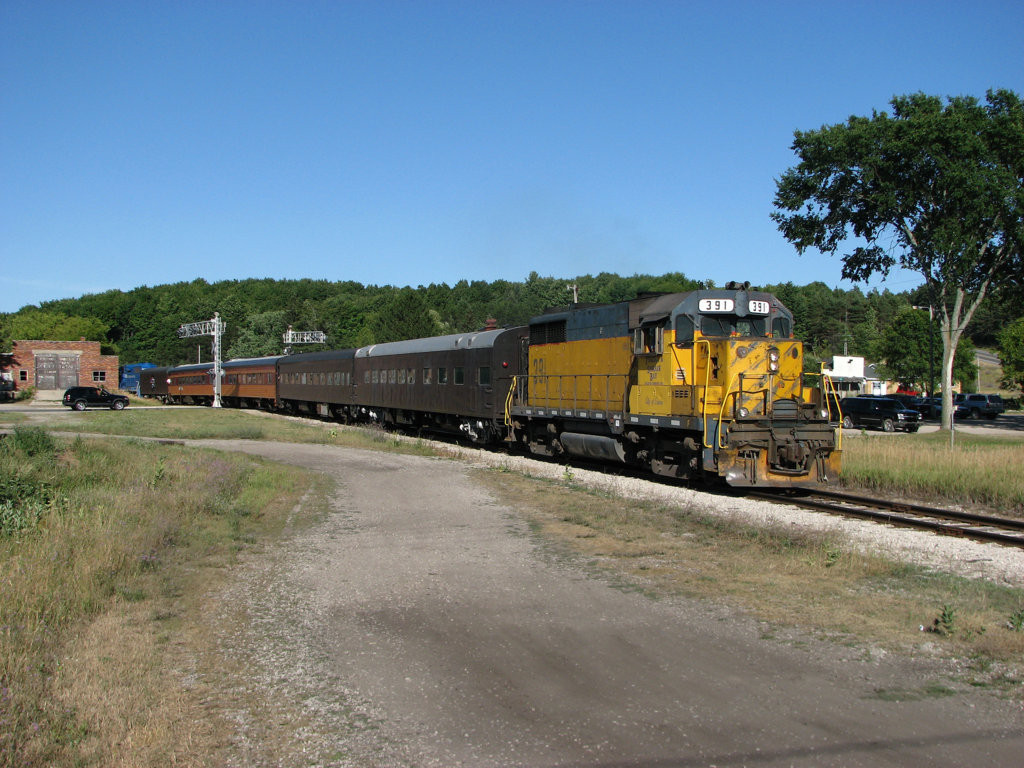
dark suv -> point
(975, 406)
(878, 412)
(81, 398)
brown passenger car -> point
(250, 383)
(317, 383)
(457, 383)
(190, 384)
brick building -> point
(60, 364)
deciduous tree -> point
(937, 188)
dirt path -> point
(421, 625)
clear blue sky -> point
(418, 142)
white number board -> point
(716, 305)
(758, 308)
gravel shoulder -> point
(421, 624)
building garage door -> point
(55, 371)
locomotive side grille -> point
(547, 333)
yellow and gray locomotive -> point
(706, 384)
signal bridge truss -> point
(215, 328)
(304, 337)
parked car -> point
(880, 413)
(81, 398)
(928, 407)
(905, 399)
(974, 406)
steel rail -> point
(887, 511)
(951, 514)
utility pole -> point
(215, 328)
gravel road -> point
(422, 625)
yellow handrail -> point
(707, 384)
(721, 412)
(508, 401)
(827, 385)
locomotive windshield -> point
(731, 325)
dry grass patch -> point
(107, 549)
(978, 470)
(800, 578)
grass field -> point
(104, 548)
(978, 471)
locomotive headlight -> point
(743, 412)
(773, 359)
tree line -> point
(141, 325)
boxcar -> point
(318, 383)
(459, 383)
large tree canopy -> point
(936, 188)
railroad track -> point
(1001, 530)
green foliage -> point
(27, 393)
(32, 323)
(404, 315)
(1011, 353)
(1016, 622)
(33, 441)
(945, 622)
(910, 347)
(25, 499)
(261, 336)
(142, 323)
